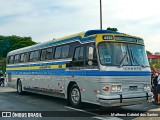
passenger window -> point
(16, 58)
(78, 54)
(49, 53)
(65, 51)
(78, 57)
(26, 57)
(58, 52)
(36, 55)
(22, 58)
(31, 58)
(43, 54)
(10, 59)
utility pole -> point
(100, 14)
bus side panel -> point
(89, 87)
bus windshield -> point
(138, 55)
(120, 54)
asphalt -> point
(57, 109)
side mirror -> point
(90, 53)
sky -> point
(44, 20)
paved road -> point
(11, 101)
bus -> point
(101, 67)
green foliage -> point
(9, 43)
(3, 65)
(155, 64)
(112, 29)
(148, 52)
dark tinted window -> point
(65, 51)
(62, 52)
(58, 52)
(78, 54)
(31, 58)
(49, 53)
(78, 57)
(16, 58)
(26, 57)
(43, 54)
(36, 55)
(10, 59)
(22, 58)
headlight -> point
(116, 88)
(146, 87)
(119, 88)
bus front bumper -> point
(122, 100)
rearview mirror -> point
(90, 53)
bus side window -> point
(31, 57)
(78, 57)
(36, 55)
(49, 53)
(26, 57)
(91, 56)
(43, 54)
(61, 52)
(65, 51)
(22, 57)
(16, 58)
(10, 59)
(58, 52)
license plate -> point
(133, 87)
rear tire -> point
(75, 96)
(19, 88)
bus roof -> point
(82, 37)
(93, 32)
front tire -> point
(75, 96)
(19, 88)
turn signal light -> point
(106, 88)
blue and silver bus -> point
(102, 67)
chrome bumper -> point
(128, 99)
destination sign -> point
(123, 38)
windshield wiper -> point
(122, 61)
(137, 60)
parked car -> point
(2, 78)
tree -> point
(3, 65)
(148, 52)
(9, 43)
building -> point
(153, 57)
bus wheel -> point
(75, 96)
(19, 88)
